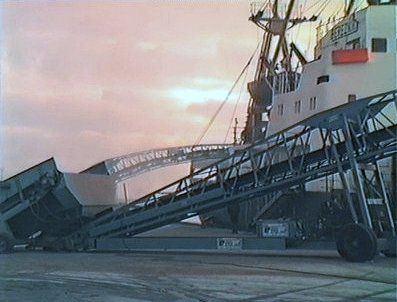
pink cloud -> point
(88, 80)
(84, 81)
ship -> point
(354, 63)
(354, 57)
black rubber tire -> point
(5, 245)
(357, 243)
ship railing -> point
(286, 82)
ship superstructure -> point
(355, 58)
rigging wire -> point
(334, 15)
(320, 11)
(235, 106)
(322, 8)
(310, 37)
(226, 99)
(313, 5)
(301, 10)
(297, 31)
(358, 6)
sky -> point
(83, 81)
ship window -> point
(280, 109)
(313, 103)
(297, 106)
(379, 44)
(351, 98)
(323, 79)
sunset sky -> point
(88, 80)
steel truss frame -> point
(335, 141)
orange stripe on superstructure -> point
(350, 56)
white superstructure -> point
(354, 59)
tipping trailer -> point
(41, 205)
(29, 205)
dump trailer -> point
(29, 206)
(41, 205)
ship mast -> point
(272, 57)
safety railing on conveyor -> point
(130, 165)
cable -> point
(321, 8)
(336, 12)
(235, 107)
(359, 5)
(301, 12)
(226, 99)
(309, 43)
(313, 5)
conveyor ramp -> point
(361, 132)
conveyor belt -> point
(364, 131)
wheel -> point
(5, 244)
(356, 243)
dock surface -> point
(135, 277)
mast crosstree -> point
(275, 57)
